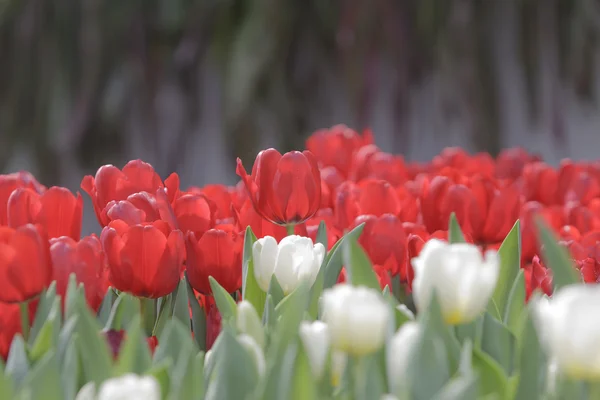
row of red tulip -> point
(153, 230)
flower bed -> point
(337, 272)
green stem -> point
(148, 313)
(24, 308)
(290, 229)
(359, 369)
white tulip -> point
(339, 360)
(569, 332)
(249, 322)
(358, 318)
(463, 280)
(294, 260)
(315, 339)
(255, 352)
(398, 353)
(126, 387)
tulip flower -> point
(358, 318)
(246, 215)
(463, 280)
(144, 260)
(284, 189)
(10, 182)
(217, 253)
(398, 353)
(294, 260)
(567, 312)
(87, 261)
(315, 339)
(110, 184)
(213, 322)
(25, 263)
(10, 324)
(249, 322)
(130, 387)
(56, 209)
(194, 213)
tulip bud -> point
(255, 352)
(315, 339)
(557, 318)
(249, 322)
(463, 280)
(130, 387)
(398, 353)
(292, 261)
(358, 318)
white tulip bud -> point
(255, 352)
(339, 360)
(398, 353)
(250, 323)
(569, 332)
(315, 339)
(294, 260)
(126, 387)
(463, 280)
(358, 318)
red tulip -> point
(336, 147)
(553, 216)
(144, 260)
(25, 263)
(56, 209)
(375, 197)
(10, 324)
(141, 207)
(372, 163)
(284, 189)
(220, 195)
(115, 339)
(87, 261)
(10, 182)
(247, 216)
(194, 213)
(213, 322)
(110, 184)
(537, 276)
(217, 253)
(510, 163)
(540, 182)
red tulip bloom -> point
(140, 208)
(336, 147)
(553, 216)
(247, 216)
(217, 253)
(537, 276)
(284, 189)
(213, 322)
(10, 182)
(144, 260)
(374, 197)
(220, 195)
(87, 261)
(194, 213)
(56, 209)
(25, 264)
(510, 163)
(372, 163)
(110, 184)
(10, 324)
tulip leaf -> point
(93, 348)
(198, 318)
(43, 309)
(322, 235)
(106, 306)
(199, 384)
(304, 384)
(71, 296)
(48, 335)
(6, 386)
(556, 257)
(532, 362)
(492, 377)
(461, 388)
(250, 289)
(176, 336)
(455, 234)
(161, 373)
(134, 355)
(165, 307)
(124, 309)
(43, 382)
(224, 301)
(429, 370)
(471, 331)
(498, 342)
(510, 261)
(316, 292)
(66, 336)
(181, 303)
(275, 290)
(358, 266)
(269, 317)
(183, 374)
(235, 373)
(334, 261)
(17, 365)
(516, 304)
(70, 371)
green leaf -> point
(429, 370)
(43, 308)
(6, 386)
(48, 335)
(148, 312)
(516, 304)
(70, 371)
(498, 342)
(199, 374)
(106, 306)
(269, 315)
(322, 234)
(461, 388)
(65, 337)
(510, 261)
(532, 363)
(315, 294)
(235, 373)
(181, 305)
(472, 331)
(44, 380)
(334, 261)
(556, 257)
(224, 301)
(183, 375)
(161, 373)
(198, 318)
(124, 309)
(96, 359)
(165, 311)
(304, 385)
(176, 337)
(492, 377)
(275, 291)
(455, 234)
(71, 296)
(358, 266)
(250, 289)
(134, 355)
(17, 365)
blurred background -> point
(188, 85)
